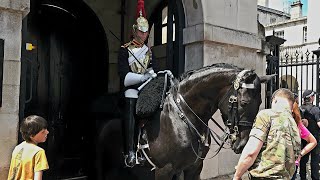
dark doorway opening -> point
(61, 78)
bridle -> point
(233, 122)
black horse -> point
(176, 132)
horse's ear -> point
(266, 78)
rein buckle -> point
(236, 84)
(233, 99)
(236, 129)
(181, 115)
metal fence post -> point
(1, 68)
(317, 52)
(273, 66)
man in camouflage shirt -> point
(274, 142)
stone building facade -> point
(11, 14)
(301, 34)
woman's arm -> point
(306, 135)
(38, 175)
(312, 142)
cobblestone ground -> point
(228, 177)
(245, 176)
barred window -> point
(279, 34)
(164, 25)
(304, 34)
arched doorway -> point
(61, 78)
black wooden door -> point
(61, 77)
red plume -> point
(140, 7)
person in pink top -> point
(304, 134)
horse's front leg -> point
(193, 172)
(165, 173)
(178, 176)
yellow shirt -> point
(27, 159)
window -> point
(272, 20)
(279, 34)
(304, 34)
(164, 26)
(159, 28)
(168, 19)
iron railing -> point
(295, 71)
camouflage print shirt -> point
(281, 144)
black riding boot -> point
(129, 122)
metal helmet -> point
(141, 22)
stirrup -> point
(132, 163)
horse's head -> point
(236, 92)
(247, 90)
(239, 112)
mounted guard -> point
(135, 66)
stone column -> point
(313, 23)
(11, 14)
(222, 31)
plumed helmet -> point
(141, 21)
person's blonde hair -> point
(284, 93)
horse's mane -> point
(220, 68)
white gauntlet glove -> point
(153, 74)
(134, 78)
(146, 76)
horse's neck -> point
(203, 98)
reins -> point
(193, 129)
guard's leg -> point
(129, 123)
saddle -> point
(151, 99)
(151, 96)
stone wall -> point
(11, 15)
(313, 21)
(222, 31)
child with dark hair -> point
(29, 160)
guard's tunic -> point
(128, 63)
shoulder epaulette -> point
(126, 44)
